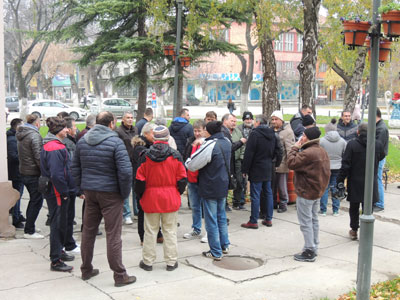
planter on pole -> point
(355, 32)
(391, 23)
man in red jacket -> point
(160, 180)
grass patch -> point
(388, 290)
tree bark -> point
(307, 66)
(142, 68)
(270, 100)
(74, 90)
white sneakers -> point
(192, 235)
(76, 250)
(128, 221)
(34, 236)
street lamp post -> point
(178, 46)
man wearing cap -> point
(160, 181)
(212, 160)
(307, 122)
(297, 119)
(241, 131)
(262, 148)
(310, 163)
(287, 140)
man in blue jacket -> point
(181, 130)
(103, 171)
(212, 160)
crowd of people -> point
(106, 165)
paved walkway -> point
(25, 264)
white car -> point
(50, 108)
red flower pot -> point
(389, 27)
(169, 49)
(384, 49)
(355, 33)
(185, 61)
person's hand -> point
(298, 144)
(244, 175)
(197, 142)
(243, 140)
(82, 196)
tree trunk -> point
(74, 90)
(353, 87)
(270, 100)
(307, 66)
(142, 94)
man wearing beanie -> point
(287, 139)
(334, 145)
(212, 160)
(310, 163)
(160, 181)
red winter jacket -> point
(160, 178)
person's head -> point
(310, 134)
(15, 123)
(378, 114)
(198, 129)
(147, 131)
(260, 120)
(127, 119)
(148, 114)
(70, 122)
(90, 121)
(33, 120)
(213, 128)
(107, 119)
(160, 121)
(362, 129)
(306, 110)
(184, 113)
(277, 119)
(58, 127)
(346, 116)
(331, 126)
(229, 100)
(308, 121)
(247, 119)
(161, 133)
(229, 121)
(62, 114)
(210, 116)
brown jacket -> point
(287, 141)
(311, 169)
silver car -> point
(117, 106)
(12, 103)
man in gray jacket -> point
(103, 171)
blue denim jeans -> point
(196, 204)
(331, 187)
(35, 202)
(381, 202)
(255, 196)
(127, 209)
(16, 210)
(216, 225)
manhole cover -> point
(238, 263)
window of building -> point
(278, 66)
(299, 43)
(289, 41)
(323, 67)
(279, 43)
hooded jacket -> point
(212, 161)
(12, 156)
(287, 141)
(180, 129)
(29, 146)
(55, 164)
(101, 162)
(311, 169)
(262, 147)
(382, 135)
(353, 168)
(334, 145)
(160, 179)
(296, 122)
(347, 131)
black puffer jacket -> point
(181, 130)
(30, 144)
(101, 163)
(12, 156)
(347, 131)
(382, 135)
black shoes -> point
(145, 267)
(307, 256)
(171, 268)
(93, 273)
(282, 209)
(66, 257)
(378, 209)
(239, 207)
(209, 255)
(126, 281)
(19, 225)
(60, 266)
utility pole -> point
(178, 46)
(367, 219)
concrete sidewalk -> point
(25, 264)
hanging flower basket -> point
(185, 61)
(384, 49)
(391, 23)
(355, 32)
(169, 50)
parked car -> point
(117, 106)
(51, 108)
(12, 103)
(7, 113)
(191, 100)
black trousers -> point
(354, 213)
